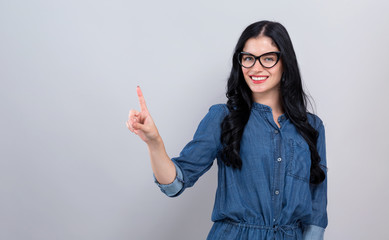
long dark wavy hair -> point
(294, 100)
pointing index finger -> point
(142, 101)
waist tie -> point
(275, 228)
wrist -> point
(155, 142)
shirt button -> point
(277, 192)
(279, 159)
(275, 131)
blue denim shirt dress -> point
(270, 197)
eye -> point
(269, 59)
(247, 58)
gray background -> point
(69, 168)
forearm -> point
(163, 167)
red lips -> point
(258, 79)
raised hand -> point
(141, 122)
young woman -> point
(270, 151)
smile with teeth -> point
(258, 79)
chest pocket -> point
(300, 160)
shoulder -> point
(314, 120)
(213, 119)
(215, 115)
(220, 108)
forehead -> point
(260, 45)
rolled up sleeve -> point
(173, 188)
(312, 232)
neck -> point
(272, 100)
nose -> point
(257, 66)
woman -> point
(270, 151)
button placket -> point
(278, 172)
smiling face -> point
(263, 82)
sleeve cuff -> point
(313, 232)
(173, 188)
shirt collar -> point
(261, 107)
(265, 108)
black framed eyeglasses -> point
(267, 60)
